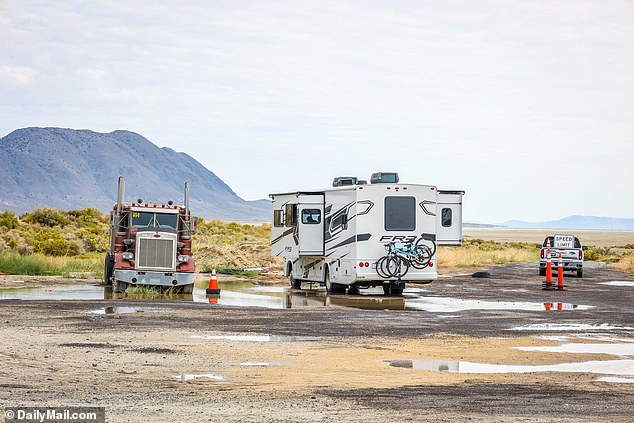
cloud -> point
(16, 75)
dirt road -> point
(506, 350)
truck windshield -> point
(159, 220)
(142, 219)
(166, 220)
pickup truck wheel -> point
(353, 289)
(542, 272)
(580, 273)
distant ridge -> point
(69, 169)
(577, 222)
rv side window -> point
(291, 215)
(340, 221)
(445, 217)
(278, 218)
(311, 216)
(400, 213)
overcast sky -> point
(526, 105)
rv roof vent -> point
(384, 178)
(340, 181)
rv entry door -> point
(311, 225)
(449, 217)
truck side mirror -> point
(538, 246)
(584, 248)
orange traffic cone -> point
(549, 264)
(549, 269)
(548, 306)
(560, 274)
(213, 283)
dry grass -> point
(626, 264)
(536, 236)
(482, 255)
(232, 245)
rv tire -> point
(295, 283)
(333, 288)
(393, 289)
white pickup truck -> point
(571, 254)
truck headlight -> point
(128, 255)
(183, 258)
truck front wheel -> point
(107, 269)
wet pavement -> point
(241, 293)
(498, 348)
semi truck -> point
(150, 245)
(336, 236)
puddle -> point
(622, 368)
(57, 292)
(571, 327)
(250, 364)
(188, 377)
(452, 305)
(613, 379)
(257, 338)
(613, 349)
(121, 310)
(618, 283)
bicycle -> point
(398, 260)
(393, 265)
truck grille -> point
(156, 253)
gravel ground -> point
(323, 363)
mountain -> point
(71, 169)
(577, 222)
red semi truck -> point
(150, 245)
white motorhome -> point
(335, 236)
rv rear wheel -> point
(295, 283)
(393, 289)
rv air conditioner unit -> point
(384, 178)
(344, 180)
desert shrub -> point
(56, 247)
(8, 220)
(46, 217)
(87, 217)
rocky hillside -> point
(74, 169)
